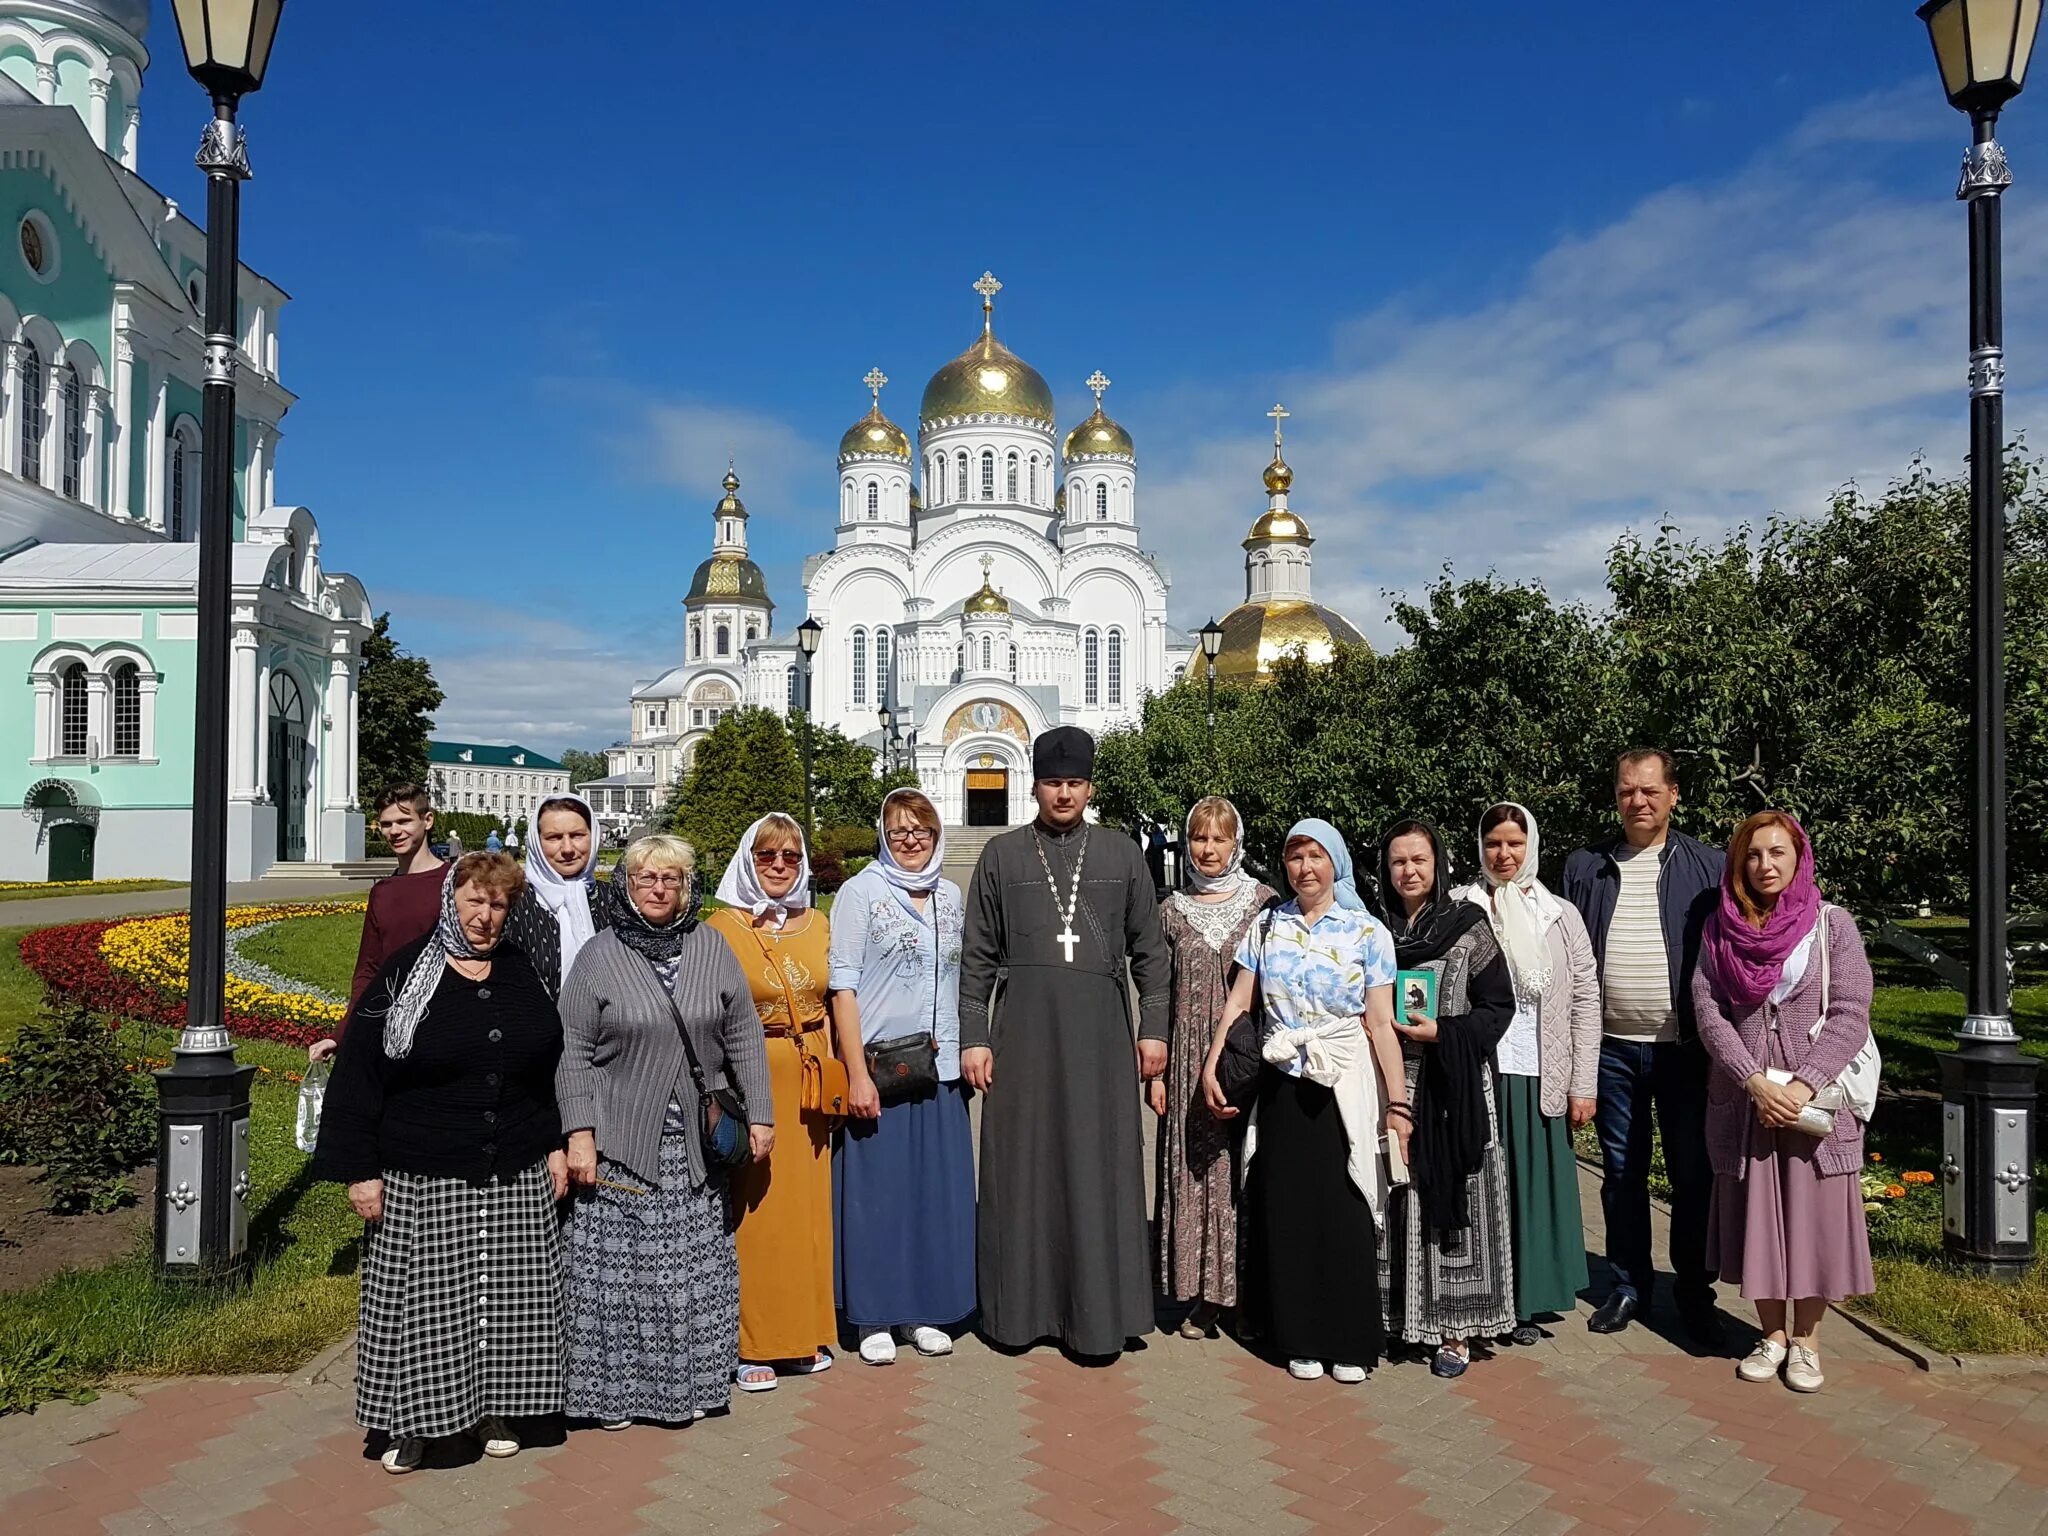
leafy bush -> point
(828, 872)
(847, 842)
(72, 1101)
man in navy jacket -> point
(1645, 897)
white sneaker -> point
(1305, 1370)
(404, 1454)
(1802, 1370)
(1350, 1375)
(615, 1424)
(878, 1347)
(497, 1437)
(931, 1341)
(1763, 1362)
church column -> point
(259, 467)
(90, 490)
(122, 467)
(96, 110)
(52, 472)
(99, 741)
(355, 726)
(245, 717)
(10, 408)
(155, 481)
(131, 133)
(46, 84)
(259, 723)
(335, 744)
(146, 694)
(46, 716)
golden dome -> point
(1255, 635)
(988, 599)
(730, 505)
(1098, 434)
(988, 378)
(1279, 477)
(1277, 523)
(875, 433)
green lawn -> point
(41, 890)
(320, 951)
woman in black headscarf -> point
(1446, 1271)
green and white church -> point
(101, 282)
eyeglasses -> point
(791, 856)
(908, 835)
(668, 882)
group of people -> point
(618, 1157)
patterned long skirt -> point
(654, 1295)
(461, 1304)
(1431, 1294)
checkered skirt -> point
(462, 1305)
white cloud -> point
(1721, 351)
(686, 444)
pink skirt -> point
(1785, 1230)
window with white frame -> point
(846, 499)
(74, 433)
(860, 666)
(1034, 480)
(1010, 479)
(127, 705)
(988, 474)
(722, 637)
(32, 413)
(1091, 668)
(988, 654)
(960, 473)
(883, 657)
(74, 710)
(696, 640)
(789, 699)
(177, 512)
(1116, 667)
(938, 485)
(874, 501)
(1102, 498)
(1013, 661)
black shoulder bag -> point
(1238, 1068)
(907, 1066)
(722, 1112)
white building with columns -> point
(102, 279)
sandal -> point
(821, 1361)
(1449, 1363)
(755, 1378)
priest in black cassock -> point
(1057, 909)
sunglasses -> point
(789, 856)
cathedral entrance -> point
(988, 797)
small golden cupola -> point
(874, 435)
(1098, 436)
(988, 601)
(1279, 615)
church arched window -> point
(74, 711)
(860, 666)
(74, 432)
(988, 654)
(846, 500)
(874, 501)
(1116, 668)
(32, 416)
(723, 639)
(988, 474)
(127, 710)
(1102, 499)
(960, 473)
(1011, 480)
(883, 658)
(1091, 668)
(1013, 661)
(696, 640)
(177, 514)
(959, 661)
(938, 485)
(1036, 494)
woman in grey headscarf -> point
(443, 1124)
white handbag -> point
(1856, 1088)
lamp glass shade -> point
(885, 716)
(807, 636)
(227, 42)
(1212, 639)
(1982, 48)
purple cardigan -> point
(1735, 1041)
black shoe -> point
(1704, 1330)
(1613, 1314)
(1525, 1334)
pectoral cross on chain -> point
(1068, 939)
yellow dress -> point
(785, 1204)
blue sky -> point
(1527, 274)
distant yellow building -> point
(1278, 616)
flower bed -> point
(135, 968)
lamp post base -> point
(1988, 1137)
(202, 1160)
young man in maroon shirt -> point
(404, 906)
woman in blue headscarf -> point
(1324, 1129)
(903, 1185)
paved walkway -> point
(45, 911)
(1580, 1433)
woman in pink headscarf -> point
(1783, 997)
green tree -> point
(744, 769)
(583, 766)
(395, 701)
(846, 791)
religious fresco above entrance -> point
(986, 717)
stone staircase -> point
(963, 851)
(348, 869)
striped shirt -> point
(1635, 983)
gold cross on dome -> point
(987, 286)
(875, 379)
(1098, 383)
(1279, 413)
(987, 564)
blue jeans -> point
(1634, 1076)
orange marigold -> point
(1877, 1157)
(1916, 1176)
(1894, 1191)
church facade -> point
(986, 581)
(102, 280)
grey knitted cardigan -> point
(621, 1057)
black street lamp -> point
(202, 1213)
(1988, 1087)
(887, 717)
(1212, 647)
(808, 634)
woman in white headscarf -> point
(1549, 1062)
(784, 1204)
(1204, 925)
(558, 912)
(903, 1175)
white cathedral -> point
(956, 622)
